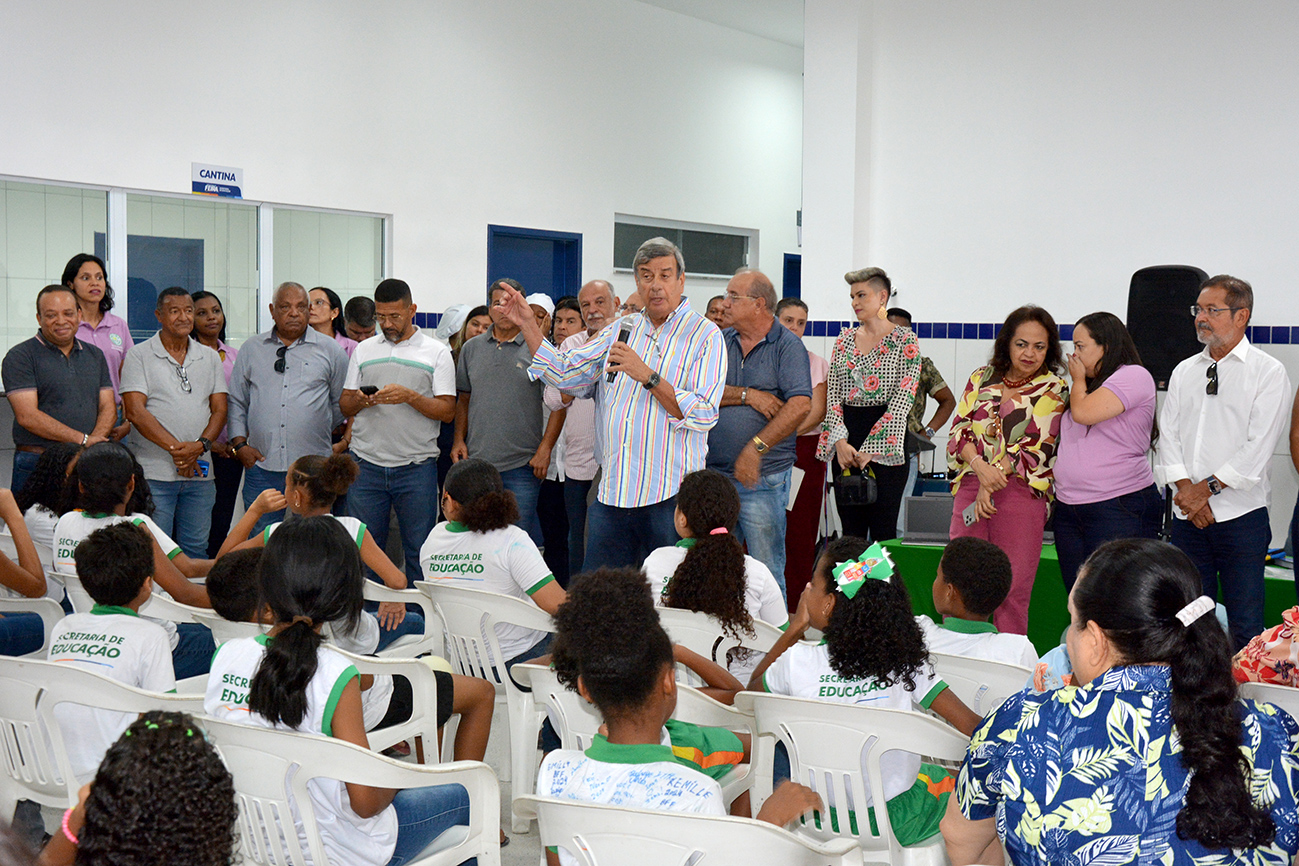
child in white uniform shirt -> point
(873, 655)
(114, 564)
(611, 649)
(708, 571)
(973, 579)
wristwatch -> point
(1215, 486)
(760, 446)
(744, 397)
(205, 442)
(234, 449)
(930, 432)
(652, 382)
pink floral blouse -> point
(886, 375)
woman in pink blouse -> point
(874, 370)
(1002, 448)
(87, 277)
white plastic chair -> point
(261, 759)
(828, 743)
(159, 605)
(982, 685)
(49, 610)
(470, 616)
(223, 629)
(36, 767)
(411, 645)
(1285, 697)
(422, 723)
(703, 634)
(9, 549)
(599, 835)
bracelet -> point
(744, 397)
(67, 832)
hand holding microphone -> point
(622, 338)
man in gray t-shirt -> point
(174, 394)
(498, 411)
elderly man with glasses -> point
(284, 396)
(1218, 428)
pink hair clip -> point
(721, 530)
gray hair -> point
(286, 285)
(1240, 294)
(656, 248)
(760, 287)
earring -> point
(881, 312)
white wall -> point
(550, 114)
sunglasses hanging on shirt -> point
(279, 356)
(1212, 374)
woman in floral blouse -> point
(1002, 447)
(1151, 758)
(872, 383)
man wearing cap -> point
(395, 435)
(498, 412)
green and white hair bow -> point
(873, 564)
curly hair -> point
(1133, 589)
(873, 635)
(1000, 360)
(711, 578)
(45, 485)
(485, 505)
(161, 795)
(98, 481)
(324, 478)
(608, 633)
(979, 570)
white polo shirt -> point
(399, 435)
(977, 640)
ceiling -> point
(779, 20)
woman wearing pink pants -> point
(1002, 448)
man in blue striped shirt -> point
(668, 366)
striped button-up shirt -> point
(646, 452)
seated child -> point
(972, 581)
(232, 586)
(611, 649)
(873, 655)
(41, 498)
(115, 565)
(708, 571)
(310, 488)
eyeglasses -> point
(184, 379)
(1212, 374)
(279, 358)
(732, 297)
(1196, 309)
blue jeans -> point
(256, 480)
(183, 509)
(1080, 529)
(575, 494)
(1229, 555)
(618, 537)
(412, 623)
(423, 814)
(21, 633)
(526, 487)
(762, 521)
(193, 653)
(24, 464)
(411, 491)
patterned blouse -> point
(886, 375)
(1093, 774)
(1270, 657)
(1028, 429)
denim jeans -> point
(423, 814)
(526, 487)
(411, 491)
(256, 480)
(24, 463)
(575, 494)
(1229, 555)
(618, 537)
(21, 633)
(762, 521)
(183, 510)
(193, 653)
(1080, 529)
(411, 623)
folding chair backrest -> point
(1285, 697)
(599, 835)
(981, 684)
(223, 629)
(49, 610)
(828, 744)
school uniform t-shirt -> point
(117, 643)
(347, 837)
(977, 640)
(502, 560)
(40, 526)
(804, 671)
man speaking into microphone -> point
(652, 416)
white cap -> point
(451, 321)
(543, 300)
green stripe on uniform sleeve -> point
(175, 553)
(360, 534)
(335, 695)
(933, 693)
(539, 584)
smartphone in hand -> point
(369, 390)
(971, 514)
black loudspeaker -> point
(1159, 317)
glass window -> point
(709, 251)
(343, 252)
(41, 227)
(197, 244)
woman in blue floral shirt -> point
(1152, 759)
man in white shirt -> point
(1219, 426)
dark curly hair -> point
(475, 485)
(45, 485)
(608, 633)
(324, 478)
(1000, 360)
(711, 578)
(874, 635)
(979, 570)
(161, 795)
(1133, 589)
(97, 483)
(141, 501)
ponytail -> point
(279, 688)
(1133, 589)
(324, 478)
(711, 578)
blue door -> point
(543, 261)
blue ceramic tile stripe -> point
(1259, 334)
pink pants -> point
(1017, 529)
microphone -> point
(622, 338)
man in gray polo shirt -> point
(768, 393)
(58, 386)
(174, 394)
(498, 412)
(284, 393)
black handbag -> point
(854, 487)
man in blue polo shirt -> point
(58, 386)
(768, 393)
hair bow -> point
(873, 564)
